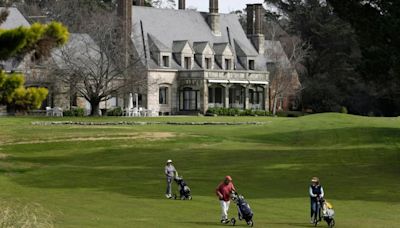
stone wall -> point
(169, 80)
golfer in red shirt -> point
(224, 191)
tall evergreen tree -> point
(377, 25)
(329, 79)
(38, 40)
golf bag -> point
(244, 210)
(328, 213)
(184, 190)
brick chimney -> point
(255, 33)
(124, 11)
(250, 19)
(214, 18)
(258, 22)
(182, 4)
(138, 2)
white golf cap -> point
(169, 161)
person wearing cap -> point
(170, 173)
(224, 191)
(316, 192)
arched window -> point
(163, 95)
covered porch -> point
(237, 94)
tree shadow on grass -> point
(327, 137)
(215, 224)
(137, 170)
(291, 224)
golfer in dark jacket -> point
(316, 193)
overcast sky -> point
(225, 6)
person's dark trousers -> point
(315, 208)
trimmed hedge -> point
(235, 112)
(79, 112)
(115, 112)
(290, 114)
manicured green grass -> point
(112, 176)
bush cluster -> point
(79, 112)
(115, 112)
(290, 114)
(343, 110)
(236, 112)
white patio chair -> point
(49, 111)
(135, 112)
(57, 111)
(141, 111)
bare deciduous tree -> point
(163, 3)
(284, 70)
(94, 65)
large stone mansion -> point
(200, 60)
(192, 60)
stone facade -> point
(194, 61)
(189, 62)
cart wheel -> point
(233, 221)
(250, 223)
(332, 224)
(189, 198)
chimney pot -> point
(214, 6)
(124, 12)
(250, 19)
(139, 2)
(214, 18)
(255, 25)
(182, 4)
(258, 8)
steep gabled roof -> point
(168, 25)
(275, 52)
(14, 19)
(179, 45)
(242, 52)
(80, 49)
(199, 47)
(154, 43)
(220, 48)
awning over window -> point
(259, 82)
(217, 81)
(238, 82)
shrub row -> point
(115, 112)
(235, 112)
(290, 114)
(74, 112)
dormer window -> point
(224, 55)
(188, 63)
(251, 64)
(228, 64)
(204, 55)
(183, 53)
(165, 61)
(208, 63)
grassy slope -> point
(119, 183)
